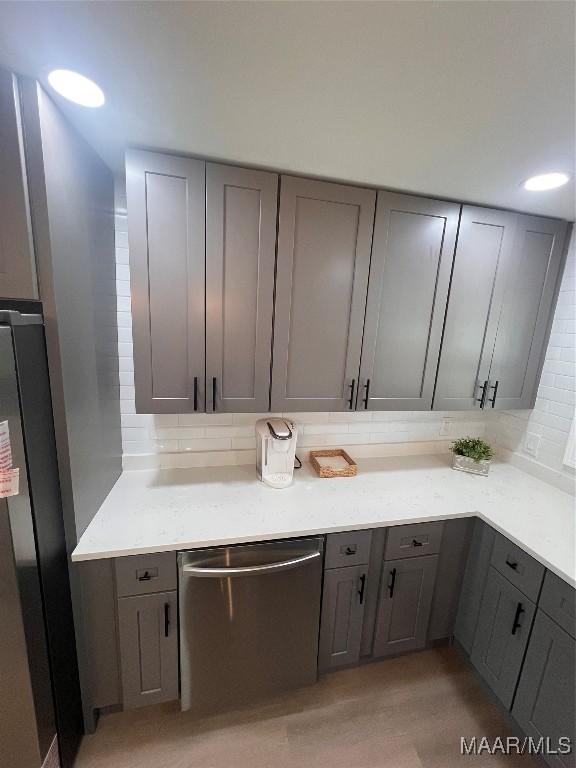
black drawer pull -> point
(516, 625)
(350, 551)
(512, 565)
(166, 619)
(416, 543)
(145, 576)
(362, 588)
(392, 582)
(351, 400)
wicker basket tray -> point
(346, 468)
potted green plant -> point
(471, 454)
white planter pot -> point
(464, 464)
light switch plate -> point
(446, 426)
(532, 443)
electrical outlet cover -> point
(532, 443)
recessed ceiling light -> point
(76, 88)
(546, 181)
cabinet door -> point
(544, 705)
(412, 256)
(342, 614)
(17, 266)
(473, 583)
(324, 240)
(484, 245)
(166, 228)
(148, 632)
(502, 635)
(527, 310)
(406, 591)
(240, 253)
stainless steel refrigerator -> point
(40, 706)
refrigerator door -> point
(27, 721)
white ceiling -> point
(457, 99)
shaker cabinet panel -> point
(527, 310)
(502, 635)
(484, 244)
(342, 614)
(148, 636)
(412, 256)
(324, 241)
(544, 705)
(166, 226)
(17, 265)
(240, 252)
(473, 583)
(406, 592)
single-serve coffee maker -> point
(275, 451)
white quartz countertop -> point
(171, 509)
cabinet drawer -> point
(519, 568)
(413, 540)
(142, 574)
(558, 600)
(348, 548)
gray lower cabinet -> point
(240, 254)
(544, 705)
(166, 229)
(406, 591)
(342, 615)
(148, 637)
(473, 583)
(502, 634)
(502, 296)
(324, 242)
(412, 254)
(17, 264)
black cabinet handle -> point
(195, 393)
(145, 576)
(367, 394)
(362, 588)
(516, 625)
(351, 400)
(512, 565)
(213, 393)
(166, 619)
(493, 398)
(416, 543)
(392, 582)
(350, 551)
(482, 398)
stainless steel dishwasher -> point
(249, 620)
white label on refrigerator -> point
(9, 482)
(5, 447)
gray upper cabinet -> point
(412, 254)
(484, 245)
(544, 705)
(504, 286)
(17, 265)
(342, 615)
(166, 227)
(502, 635)
(240, 252)
(527, 310)
(406, 591)
(324, 242)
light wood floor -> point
(408, 712)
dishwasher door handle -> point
(249, 570)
